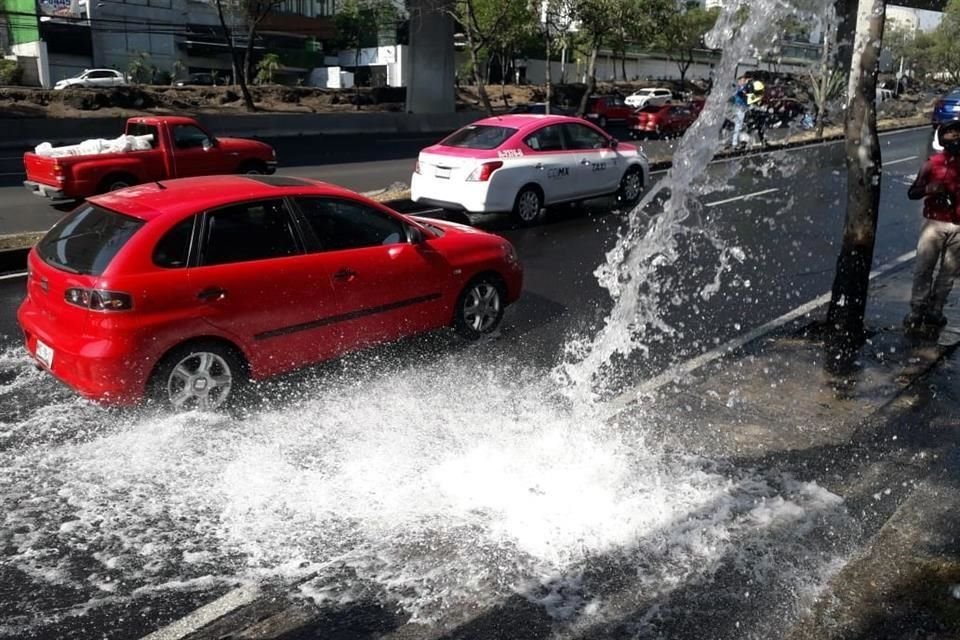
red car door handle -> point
(344, 275)
(212, 294)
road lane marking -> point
(743, 197)
(683, 369)
(206, 614)
(899, 160)
(10, 276)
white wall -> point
(393, 57)
(36, 51)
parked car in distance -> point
(198, 79)
(946, 108)
(667, 120)
(182, 291)
(523, 163)
(181, 148)
(93, 78)
(603, 110)
(648, 96)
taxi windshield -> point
(478, 136)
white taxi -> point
(521, 163)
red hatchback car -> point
(181, 291)
(666, 120)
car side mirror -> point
(614, 143)
(414, 235)
(208, 144)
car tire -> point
(253, 169)
(631, 187)
(528, 206)
(116, 182)
(480, 307)
(205, 375)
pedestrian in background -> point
(748, 97)
(938, 184)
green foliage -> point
(359, 22)
(177, 70)
(139, 69)
(268, 65)
(683, 31)
(10, 72)
(945, 47)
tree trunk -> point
(591, 78)
(623, 64)
(503, 79)
(829, 45)
(844, 325)
(248, 55)
(235, 59)
(477, 77)
(548, 80)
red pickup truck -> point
(180, 148)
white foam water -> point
(435, 486)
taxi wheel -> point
(528, 207)
(631, 186)
(480, 307)
(204, 375)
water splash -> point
(374, 490)
(630, 273)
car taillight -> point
(416, 167)
(99, 299)
(482, 173)
(58, 171)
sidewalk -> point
(885, 439)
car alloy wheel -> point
(200, 380)
(528, 206)
(479, 308)
(205, 375)
(631, 186)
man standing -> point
(938, 184)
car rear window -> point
(86, 240)
(479, 136)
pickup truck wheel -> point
(114, 183)
(253, 169)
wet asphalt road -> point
(784, 211)
(342, 160)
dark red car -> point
(668, 120)
(181, 291)
(602, 110)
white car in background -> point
(93, 78)
(522, 163)
(650, 96)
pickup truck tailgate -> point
(41, 169)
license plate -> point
(443, 172)
(45, 354)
